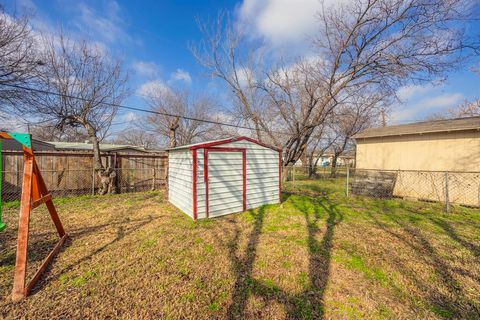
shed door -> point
(225, 181)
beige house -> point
(421, 153)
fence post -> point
(447, 205)
(153, 179)
(348, 177)
(93, 182)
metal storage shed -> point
(216, 178)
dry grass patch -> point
(318, 254)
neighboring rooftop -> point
(83, 146)
(459, 124)
(13, 145)
(39, 145)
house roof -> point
(38, 145)
(213, 143)
(459, 124)
(81, 146)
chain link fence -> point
(70, 183)
(450, 187)
(71, 174)
(298, 173)
(462, 188)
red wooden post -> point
(23, 226)
(34, 194)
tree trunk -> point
(106, 175)
(333, 171)
(312, 167)
(172, 133)
(304, 158)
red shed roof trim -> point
(224, 141)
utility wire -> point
(138, 109)
(144, 110)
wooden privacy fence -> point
(72, 173)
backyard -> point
(318, 254)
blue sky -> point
(153, 36)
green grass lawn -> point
(318, 254)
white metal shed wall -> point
(180, 163)
(263, 175)
(225, 183)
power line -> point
(139, 109)
(146, 111)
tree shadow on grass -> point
(123, 228)
(243, 267)
(453, 302)
(310, 303)
(450, 231)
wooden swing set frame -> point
(34, 194)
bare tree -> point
(178, 130)
(87, 85)
(351, 118)
(375, 45)
(219, 53)
(463, 110)
(466, 109)
(49, 132)
(137, 137)
(320, 141)
(18, 58)
(296, 93)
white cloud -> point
(181, 75)
(418, 109)
(130, 116)
(27, 5)
(444, 101)
(152, 88)
(11, 123)
(245, 76)
(107, 24)
(407, 92)
(147, 69)
(281, 22)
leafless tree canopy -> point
(177, 130)
(18, 61)
(49, 132)
(391, 42)
(350, 119)
(87, 85)
(361, 46)
(138, 137)
(222, 53)
(466, 109)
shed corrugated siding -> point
(180, 180)
(262, 173)
(262, 178)
(225, 183)
(201, 198)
